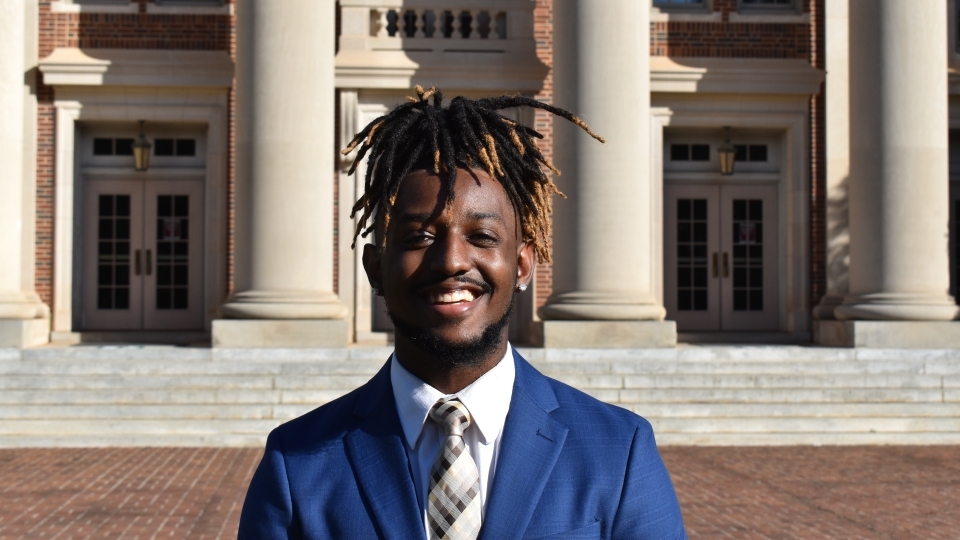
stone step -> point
(181, 382)
(349, 382)
(246, 411)
(121, 439)
(663, 439)
(805, 439)
(116, 367)
(805, 425)
(795, 410)
(139, 426)
(252, 411)
(166, 396)
(662, 426)
(741, 381)
(776, 395)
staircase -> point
(113, 395)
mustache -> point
(482, 285)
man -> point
(458, 436)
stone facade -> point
(273, 257)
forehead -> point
(475, 194)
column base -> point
(897, 307)
(284, 305)
(609, 334)
(23, 333)
(888, 334)
(602, 306)
(286, 333)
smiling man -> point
(458, 437)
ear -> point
(371, 264)
(526, 262)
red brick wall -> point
(543, 122)
(723, 39)
(818, 174)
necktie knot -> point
(452, 415)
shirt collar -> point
(487, 399)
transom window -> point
(689, 152)
(751, 152)
(682, 5)
(768, 5)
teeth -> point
(452, 297)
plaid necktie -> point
(453, 505)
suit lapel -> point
(379, 459)
(528, 451)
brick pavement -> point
(742, 493)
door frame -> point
(787, 115)
(170, 106)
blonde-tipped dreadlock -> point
(418, 134)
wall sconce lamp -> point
(141, 151)
(727, 152)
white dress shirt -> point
(487, 400)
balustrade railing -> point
(462, 43)
(439, 23)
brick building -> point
(835, 221)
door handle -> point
(715, 257)
(150, 262)
(726, 264)
(136, 262)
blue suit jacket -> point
(569, 467)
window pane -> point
(692, 240)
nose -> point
(450, 255)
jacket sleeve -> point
(268, 510)
(648, 509)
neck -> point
(439, 373)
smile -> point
(452, 297)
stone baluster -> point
(419, 24)
(379, 16)
(401, 23)
(458, 24)
(475, 24)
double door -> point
(720, 257)
(142, 251)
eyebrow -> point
(475, 216)
(415, 218)
(479, 216)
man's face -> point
(449, 271)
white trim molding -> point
(733, 75)
(127, 67)
(61, 6)
(85, 104)
(789, 116)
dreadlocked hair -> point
(468, 133)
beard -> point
(452, 355)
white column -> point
(285, 166)
(18, 300)
(898, 162)
(603, 267)
(285, 162)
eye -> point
(484, 238)
(415, 239)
